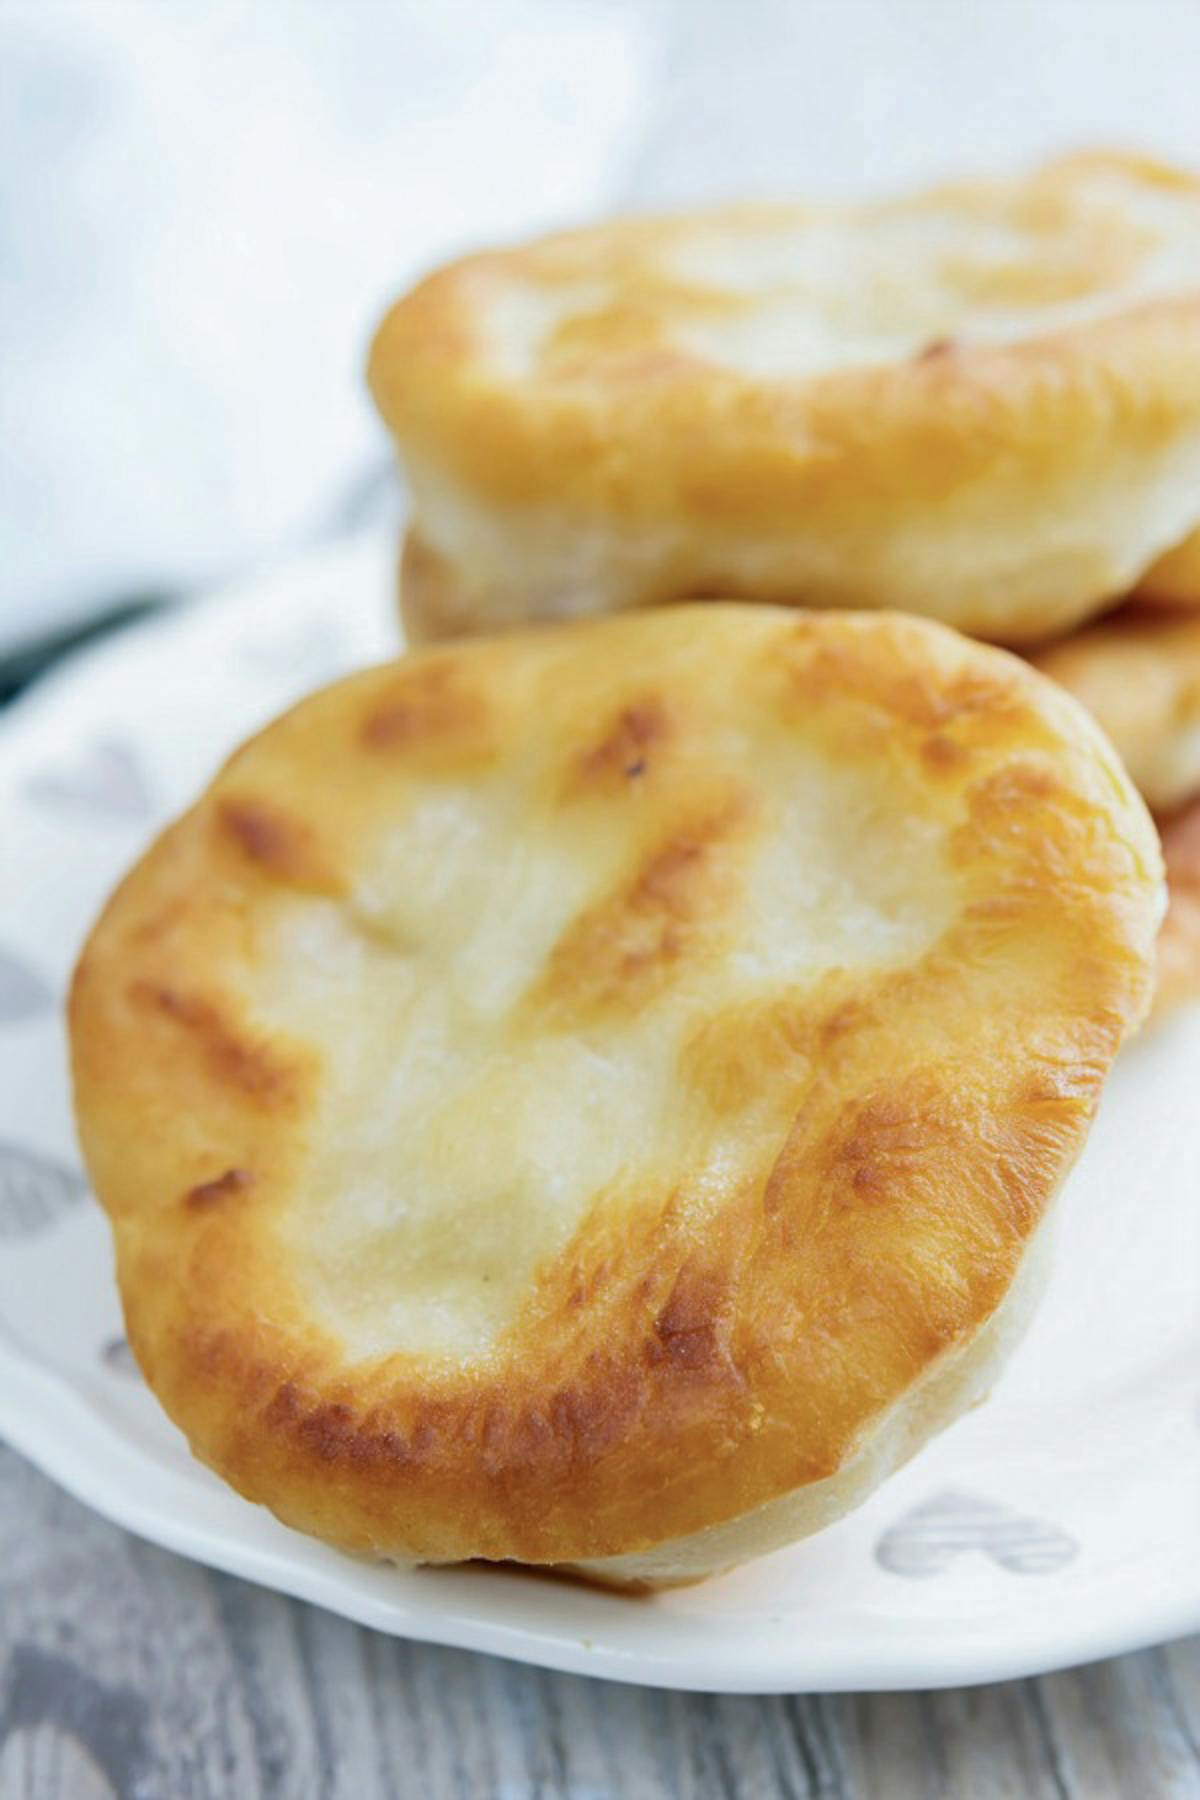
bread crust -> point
(1177, 981)
(433, 606)
(603, 420)
(1138, 674)
(828, 1171)
(1174, 580)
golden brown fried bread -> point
(981, 403)
(1178, 978)
(1138, 674)
(1174, 580)
(430, 602)
(587, 1096)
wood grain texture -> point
(125, 1671)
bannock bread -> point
(1138, 674)
(981, 403)
(590, 1097)
(1174, 580)
(1178, 979)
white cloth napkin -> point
(204, 208)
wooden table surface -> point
(127, 1671)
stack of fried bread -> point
(590, 1093)
(981, 404)
(1138, 672)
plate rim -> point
(49, 1420)
(71, 1459)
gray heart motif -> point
(929, 1538)
(117, 1356)
(104, 778)
(34, 1191)
(23, 993)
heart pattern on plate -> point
(23, 993)
(928, 1539)
(35, 1190)
(119, 1358)
(105, 777)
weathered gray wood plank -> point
(126, 1671)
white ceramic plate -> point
(1059, 1522)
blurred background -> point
(206, 204)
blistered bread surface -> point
(980, 403)
(556, 1095)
